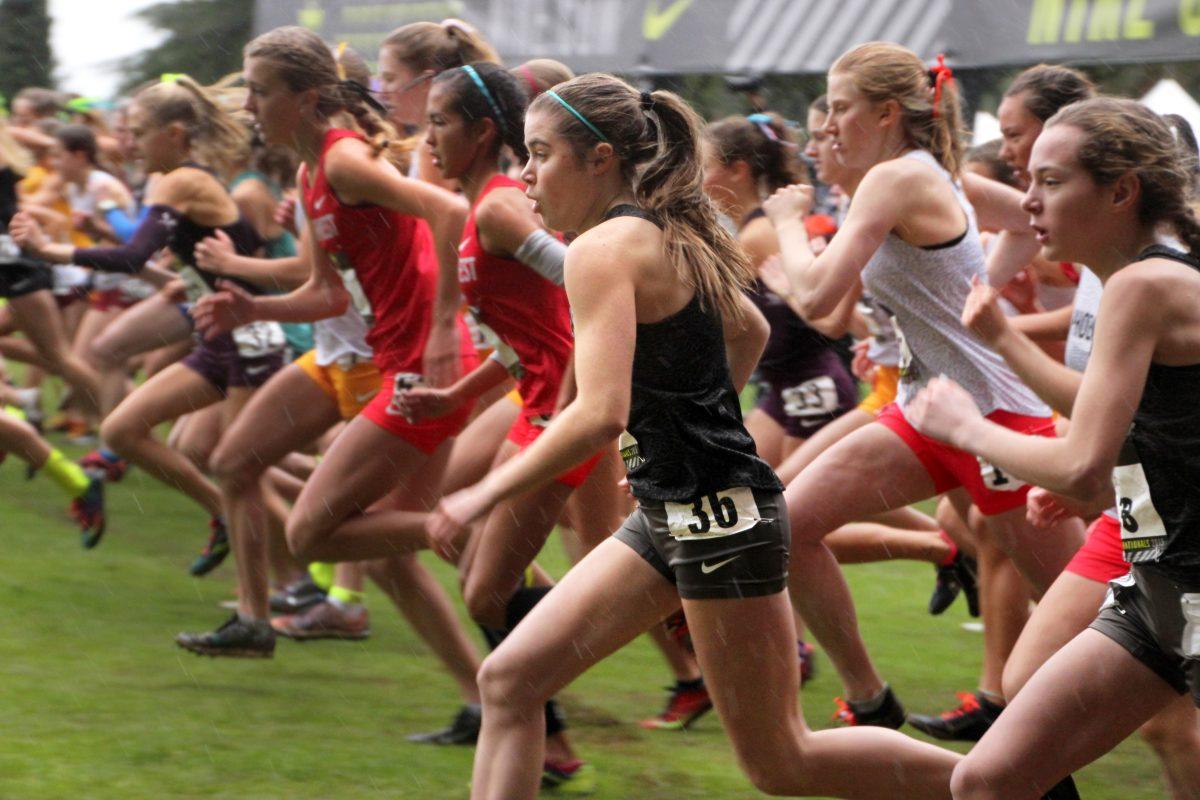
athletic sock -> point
(108, 455)
(522, 602)
(14, 411)
(991, 698)
(872, 705)
(953, 549)
(321, 574)
(344, 598)
(66, 473)
(689, 686)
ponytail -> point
(217, 139)
(656, 137)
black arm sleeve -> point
(150, 237)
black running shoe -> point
(953, 578)
(214, 552)
(88, 511)
(236, 638)
(967, 723)
(464, 729)
(890, 713)
(297, 597)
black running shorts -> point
(1158, 622)
(18, 280)
(723, 545)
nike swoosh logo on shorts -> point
(362, 398)
(707, 568)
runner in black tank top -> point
(1109, 178)
(665, 337)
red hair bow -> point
(940, 73)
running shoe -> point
(464, 729)
(957, 576)
(890, 713)
(88, 511)
(325, 621)
(236, 638)
(570, 779)
(214, 552)
(687, 702)
(808, 661)
(81, 434)
(113, 470)
(967, 723)
(297, 597)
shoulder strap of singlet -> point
(1162, 251)
(630, 210)
(753, 215)
(926, 157)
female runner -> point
(664, 339)
(385, 233)
(911, 235)
(176, 122)
(1108, 177)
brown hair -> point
(45, 102)
(540, 74)
(1120, 137)
(303, 61)
(988, 154)
(764, 142)
(884, 71)
(213, 134)
(1049, 87)
(656, 138)
(504, 102)
(439, 46)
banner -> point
(771, 36)
(1080, 31)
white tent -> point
(986, 128)
(1168, 97)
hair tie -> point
(364, 94)
(534, 87)
(171, 77)
(647, 101)
(487, 95)
(939, 74)
(577, 115)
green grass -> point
(99, 703)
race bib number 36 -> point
(722, 513)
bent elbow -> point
(1090, 480)
(339, 301)
(814, 307)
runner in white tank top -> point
(911, 236)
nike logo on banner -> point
(656, 23)
(707, 568)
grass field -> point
(99, 703)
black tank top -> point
(793, 346)
(1158, 471)
(684, 417)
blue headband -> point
(578, 116)
(487, 95)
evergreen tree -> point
(204, 40)
(25, 58)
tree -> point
(204, 40)
(25, 58)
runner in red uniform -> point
(378, 237)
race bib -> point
(358, 298)
(997, 481)
(10, 253)
(68, 277)
(715, 514)
(631, 454)
(812, 402)
(1190, 603)
(905, 362)
(1143, 534)
(401, 383)
(259, 339)
(193, 284)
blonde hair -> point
(656, 137)
(213, 134)
(1121, 137)
(884, 71)
(439, 46)
(303, 61)
(12, 154)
